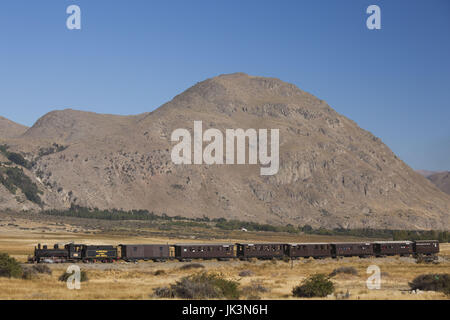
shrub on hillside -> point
(9, 267)
(19, 160)
(13, 178)
(318, 285)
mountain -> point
(332, 173)
(10, 129)
(441, 180)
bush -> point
(318, 285)
(28, 273)
(192, 266)
(65, 276)
(159, 272)
(346, 270)
(246, 273)
(201, 286)
(9, 267)
(431, 282)
(163, 292)
(31, 272)
(420, 258)
(42, 268)
(254, 288)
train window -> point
(322, 247)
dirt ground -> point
(19, 235)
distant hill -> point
(441, 180)
(332, 172)
(426, 173)
(10, 129)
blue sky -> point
(132, 56)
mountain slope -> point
(332, 173)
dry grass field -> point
(266, 279)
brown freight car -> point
(260, 250)
(204, 251)
(426, 247)
(306, 250)
(134, 252)
(392, 248)
(349, 249)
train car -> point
(391, 248)
(260, 250)
(204, 251)
(352, 249)
(103, 253)
(426, 247)
(134, 252)
(306, 250)
(44, 254)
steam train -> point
(224, 251)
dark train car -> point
(156, 252)
(391, 248)
(352, 249)
(426, 247)
(260, 250)
(306, 250)
(55, 254)
(99, 253)
(204, 251)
